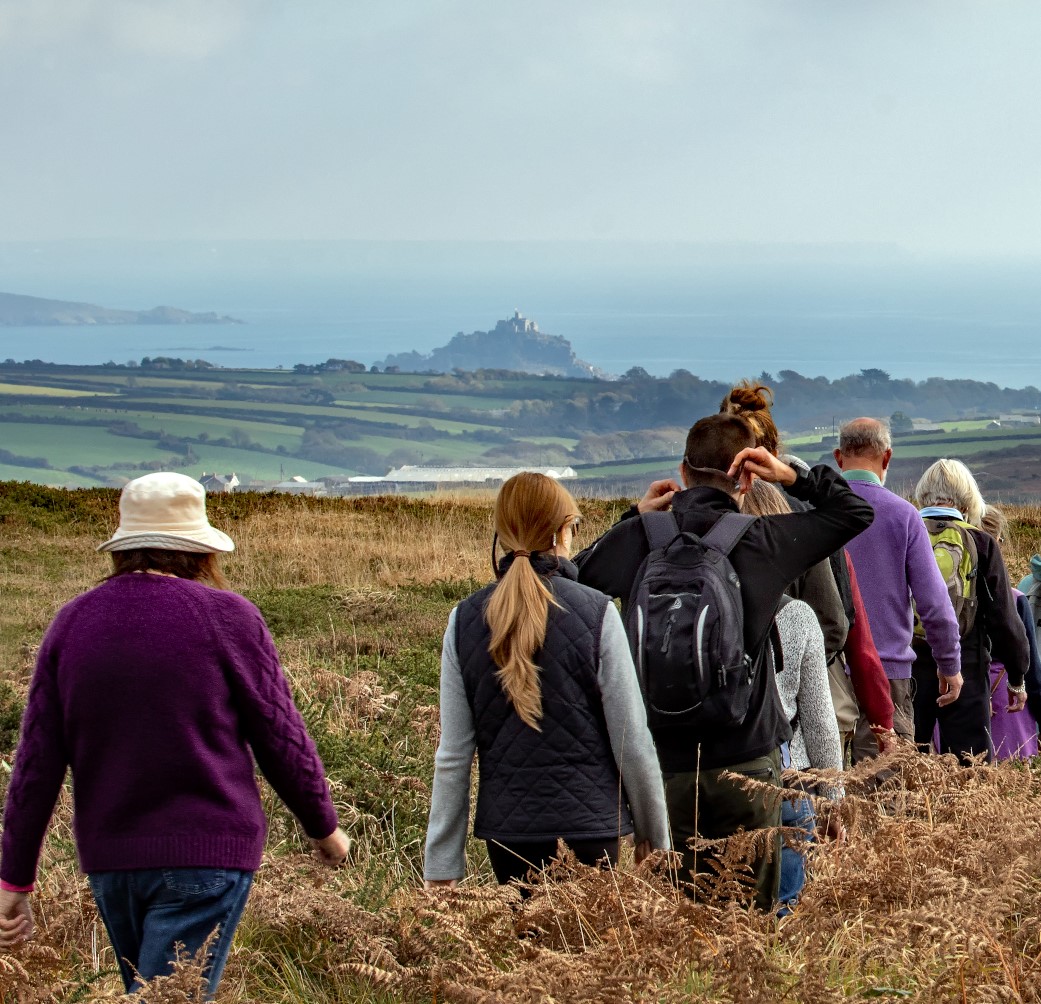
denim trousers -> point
(797, 813)
(146, 911)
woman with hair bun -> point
(537, 678)
(752, 401)
(859, 684)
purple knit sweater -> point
(154, 690)
(892, 556)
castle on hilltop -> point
(516, 325)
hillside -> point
(30, 311)
(97, 425)
(514, 344)
(933, 897)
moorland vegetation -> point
(936, 895)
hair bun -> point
(747, 396)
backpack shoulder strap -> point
(727, 531)
(661, 528)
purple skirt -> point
(1013, 735)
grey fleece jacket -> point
(627, 729)
(805, 692)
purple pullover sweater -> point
(154, 690)
(892, 556)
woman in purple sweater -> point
(159, 688)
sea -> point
(721, 314)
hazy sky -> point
(900, 121)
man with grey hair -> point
(894, 561)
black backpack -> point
(685, 621)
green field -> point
(67, 446)
(34, 391)
(375, 421)
(409, 421)
(38, 475)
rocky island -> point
(514, 344)
(31, 311)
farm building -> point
(297, 485)
(215, 484)
(412, 476)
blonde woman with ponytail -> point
(537, 680)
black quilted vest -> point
(561, 781)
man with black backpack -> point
(712, 702)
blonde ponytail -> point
(517, 612)
(529, 510)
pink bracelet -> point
(8, 887)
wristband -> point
(1021, 689)
(10, 887)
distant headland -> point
(32, 311)
(514, 344)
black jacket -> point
(997, 633)
(773, 552)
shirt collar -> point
(859, 475)
(942, 512)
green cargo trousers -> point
(706, 804)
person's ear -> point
(682, 473)
(886, 457)
(837, 454)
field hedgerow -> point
(935, 896)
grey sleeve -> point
(445, 856)
(631, 740)
(820, 732)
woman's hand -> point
(440, 883)
(334, 849)
(16, 918)
(1017, 700)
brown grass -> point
(936, 895)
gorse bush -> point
(935, 896)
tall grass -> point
(935, 896)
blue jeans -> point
(797, 812)
(147, 910)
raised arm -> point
(797, 541)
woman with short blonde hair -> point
(950, 484)
(953, 510)
(537, 679)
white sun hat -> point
(166, 511)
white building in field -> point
(215, 484)
(297, 485)
(412, 474)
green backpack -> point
(955, 552)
